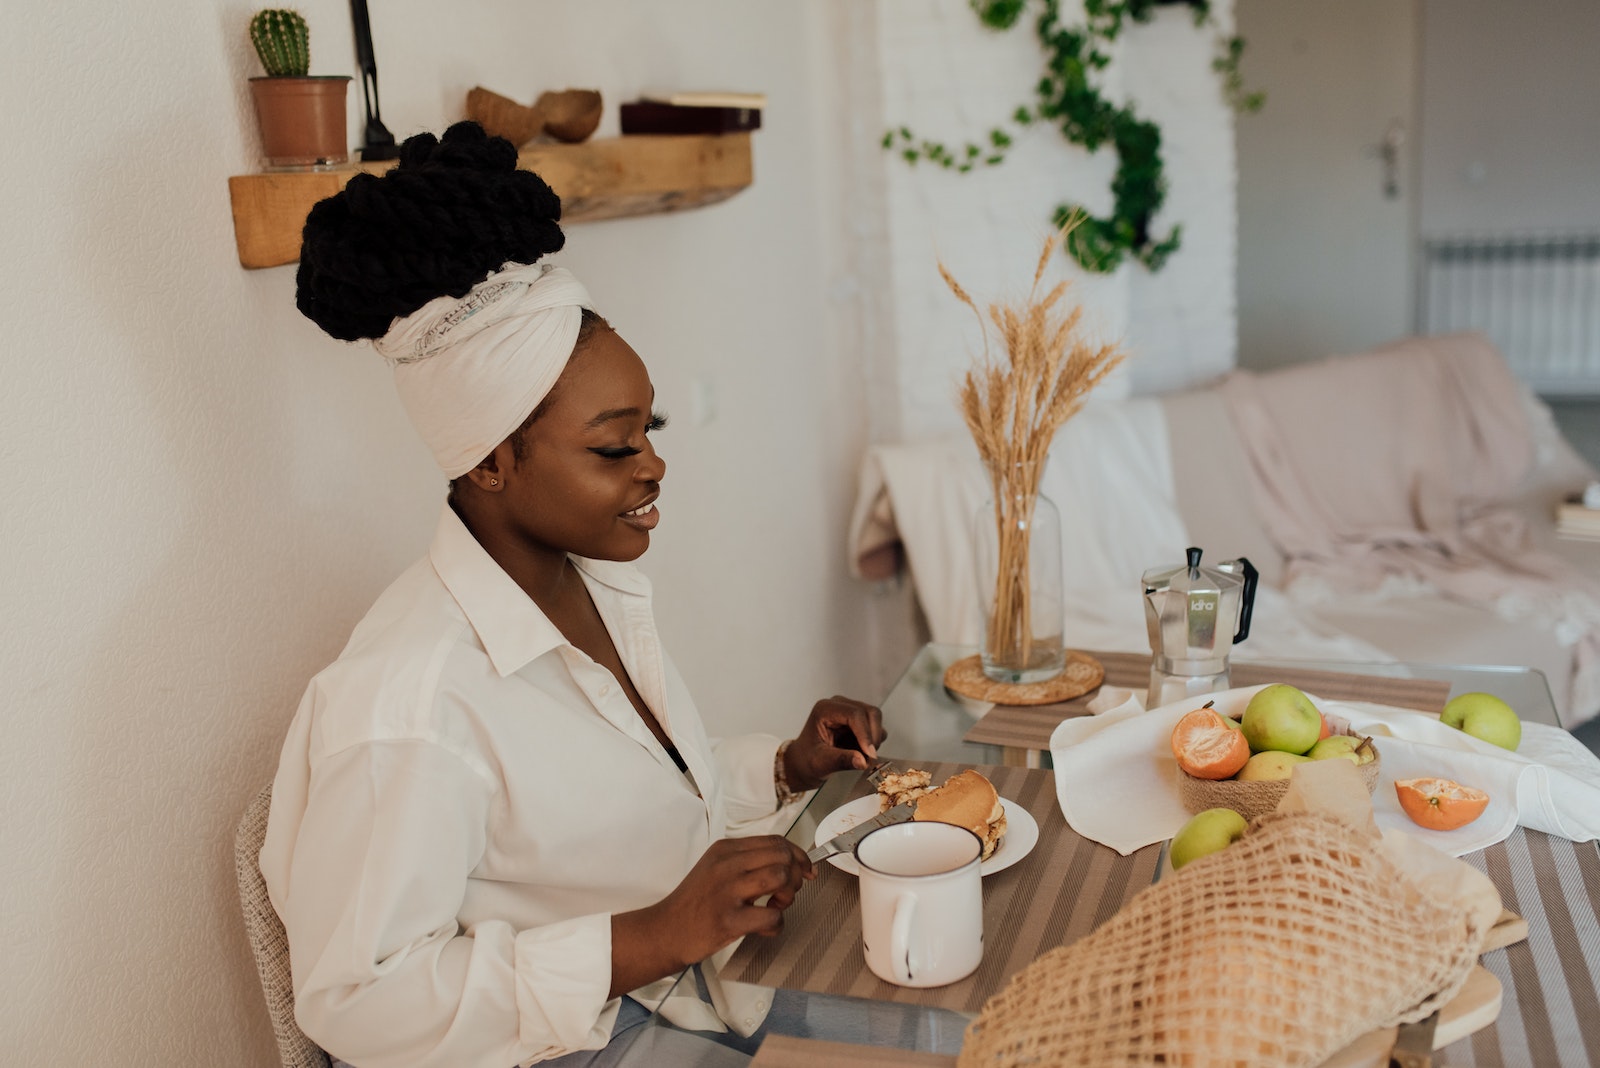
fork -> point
(876, 773)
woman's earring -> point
(494, 482)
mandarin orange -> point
(1440, 804)
(1207, 747)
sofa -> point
(1399, 504)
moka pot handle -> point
(1247, 599)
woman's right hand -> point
(714, 905)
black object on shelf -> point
(379, 142)
(649, 117)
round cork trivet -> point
(1082, 674)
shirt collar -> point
(514, 631)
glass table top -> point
(927, 721)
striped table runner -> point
(1550, 1016)
(1030, 727)
(1065, 888)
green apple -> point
(1281, 718)
(1355, 749)
(1206, 832)
(1483, 715)
(1269, 764)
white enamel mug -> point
(921, 903)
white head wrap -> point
(470, 370)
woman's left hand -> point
(840, 734)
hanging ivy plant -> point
(1067, 96)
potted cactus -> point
(302, 117)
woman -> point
(498, 813)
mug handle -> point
(900, 956)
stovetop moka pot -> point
(1195, 615)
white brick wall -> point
(948, 78)
(1184, 319)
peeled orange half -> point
(1439, 804)
(1207, 747)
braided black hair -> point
(453, 210)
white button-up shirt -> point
(463, 801)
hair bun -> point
(453, 210)
(464, 145)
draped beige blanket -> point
(1389, 470)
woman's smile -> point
(645, 517)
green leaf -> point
(998, 14)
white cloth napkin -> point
(1117, 781)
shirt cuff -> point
(563, 985)
(744, 765)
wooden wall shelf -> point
(607, 178)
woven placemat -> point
(1081, 674)
(1062, 890)
(1551, 1012)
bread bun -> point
(969, 800)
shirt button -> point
(749, 1021)
(761, 1006)
(605, 689)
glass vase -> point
(1018, 539)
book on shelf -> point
(717, 99)
(650, 117)
(1575, 520)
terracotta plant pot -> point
(302, 120)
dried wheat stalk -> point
(1013, 407)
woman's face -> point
(589, 477)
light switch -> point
(702, 402)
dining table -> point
(827, 1008)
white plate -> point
(1022, 833)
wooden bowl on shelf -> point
(570, 115)
(500, 116)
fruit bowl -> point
(1251, 799)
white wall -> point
(1183, 320)
(948, 78)
(1324, 255)
(205, 493)
(1510, 116)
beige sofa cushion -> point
(1208, 476)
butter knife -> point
(1413, 1045)
(845, 841)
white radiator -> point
(1537, 297)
